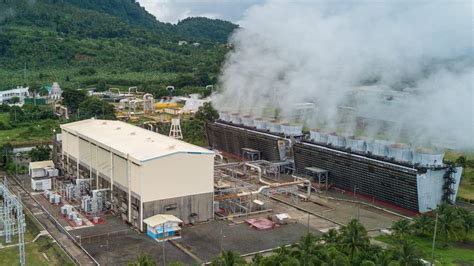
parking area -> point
(206, 241)
(116, 243)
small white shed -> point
(42, 169)
(162, 227)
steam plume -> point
(421, 53)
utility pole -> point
(164, 260)
(434, 239)
(358, 204)
(308, 223)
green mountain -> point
(80, 43)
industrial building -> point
(142, 172)
(414, 179)
(8, 95)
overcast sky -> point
(174, 10)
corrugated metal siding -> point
(390, 183)
(232, 140)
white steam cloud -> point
(420, 52)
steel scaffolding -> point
(12, 216)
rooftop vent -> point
(428, 157)
(400, 152)
(336, 140)
(378, 147)
(318, 136)
(356, 144)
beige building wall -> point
(85, 151)
(135, 178)
(171, 176)
(103, 162)
(120, 171)
(177, 175)
(71, 146)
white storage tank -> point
(335, 140)
(400, 152)
(428, 157)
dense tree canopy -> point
(79, 42)
(40, 153)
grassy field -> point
(454, 254)
(466, 189)
(42, 252)
(28, 133)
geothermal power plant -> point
(412, 178)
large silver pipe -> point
(302, 179)
(268, 184)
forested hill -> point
(81, 42)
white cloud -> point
(174, 10)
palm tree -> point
(228, 258)
(331, 236)
(257, 259)
(401, 229)
(423, 225)
(468, 220)
(407, 254)
(306, 250)
(143, 260)
(450, 224)
(284, 257)
(332, 257)
(354, 238)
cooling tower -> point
(273, 126)
(235, 118)
(260, 124)
(224, 116)
(400, 152)
(318, 136)
(291, 130)
(378, 147)
(356, 144)
(247, 121)
(428, 157)
(394, 182)
(336, 140)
